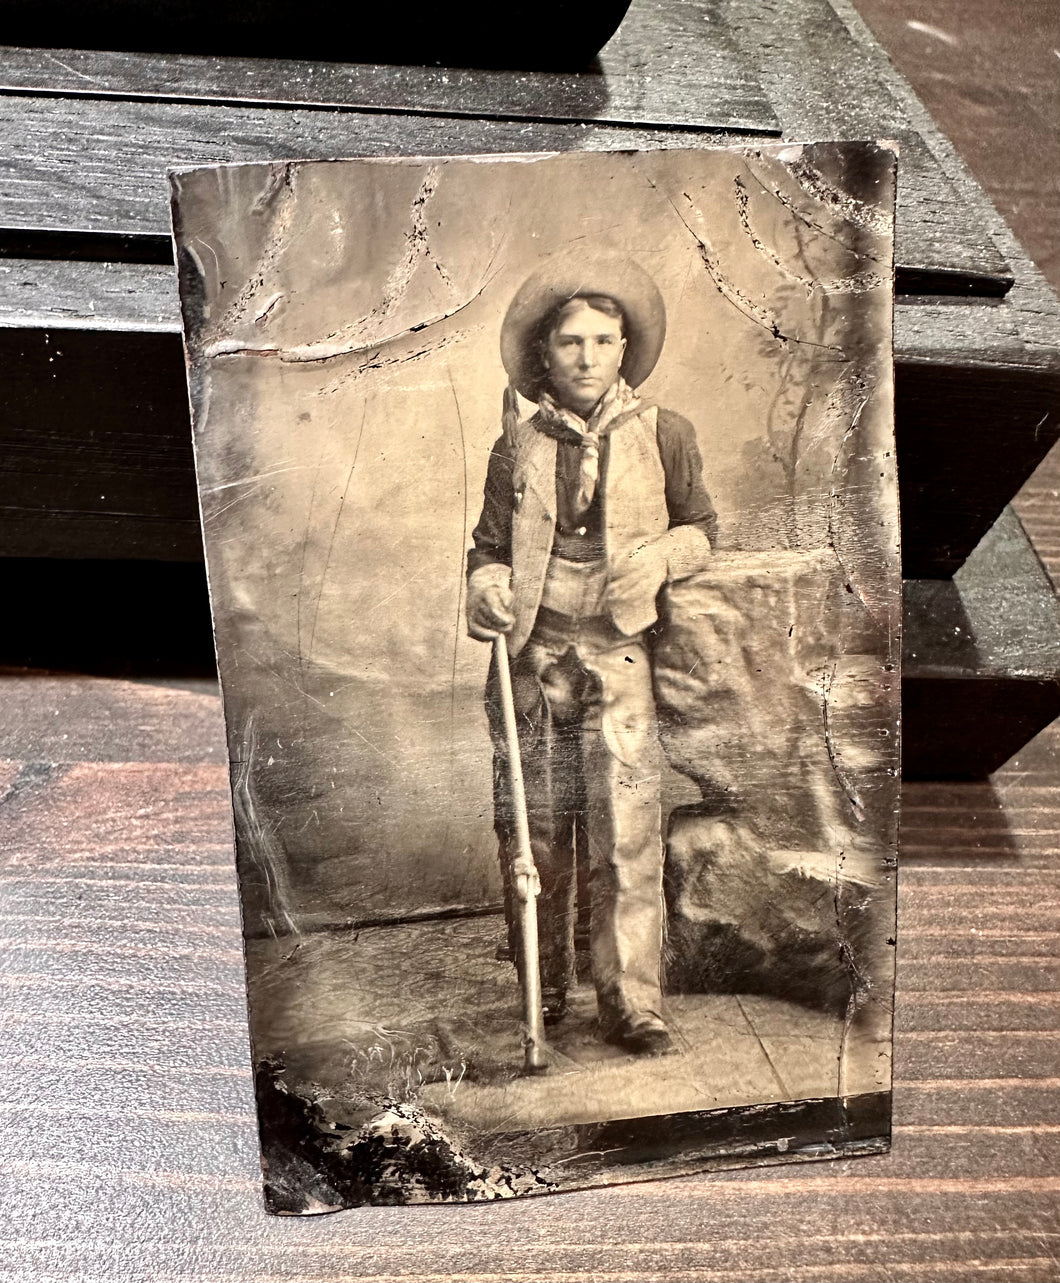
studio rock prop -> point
(633, 413)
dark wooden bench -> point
(95, 423)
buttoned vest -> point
(634, 512)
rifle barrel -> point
(526, 881)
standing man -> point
(590, 506)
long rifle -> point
(525, 881)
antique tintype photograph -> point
(551, 526)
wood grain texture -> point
(59, 294)
(669, 64)
(135, 1152)
(119, 148)
(127, 1099)
(850, 93)
(970, 1191)
(819, 79)
(995, 86)
(113, 477)
(1031, 298)
(122, 148)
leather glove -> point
(681, 552)
(634, 583)
(490, 602)
(687, 551)
(637, 577)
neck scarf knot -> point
(619, 399)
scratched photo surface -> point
(634, 412)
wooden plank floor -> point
(130, 1141)
(130, 1146)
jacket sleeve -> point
(687, 501)
(492, 535)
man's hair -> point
(598, 302)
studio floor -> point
(433, 1016)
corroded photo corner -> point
(551, 525)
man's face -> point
(583, 356)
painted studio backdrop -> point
(343, 325)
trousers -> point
(591, 764)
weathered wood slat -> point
(974, 1013)
(43, 294)
(731, 1252)
(109, 157)
(96, 901)
(143, 1091)
(98, 723)
(1012, 883)
(1033, 323)
(938, 851)
(999, 1102)
(668, 64)
(981, 656)
(122, 296)
(998, 1054)
(990, 351)
(928, 1257)
(144, 932)
(1028, 980)
(906, 1227)
(991, 85)
(191, 1044)
(934, 948)
(419, 32)
(119, 151)
(1035, 317)
(820, 81)
(126, 487)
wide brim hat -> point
(574, 274)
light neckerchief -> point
(619, 399)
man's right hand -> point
(490, 602)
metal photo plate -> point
(551, 524)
